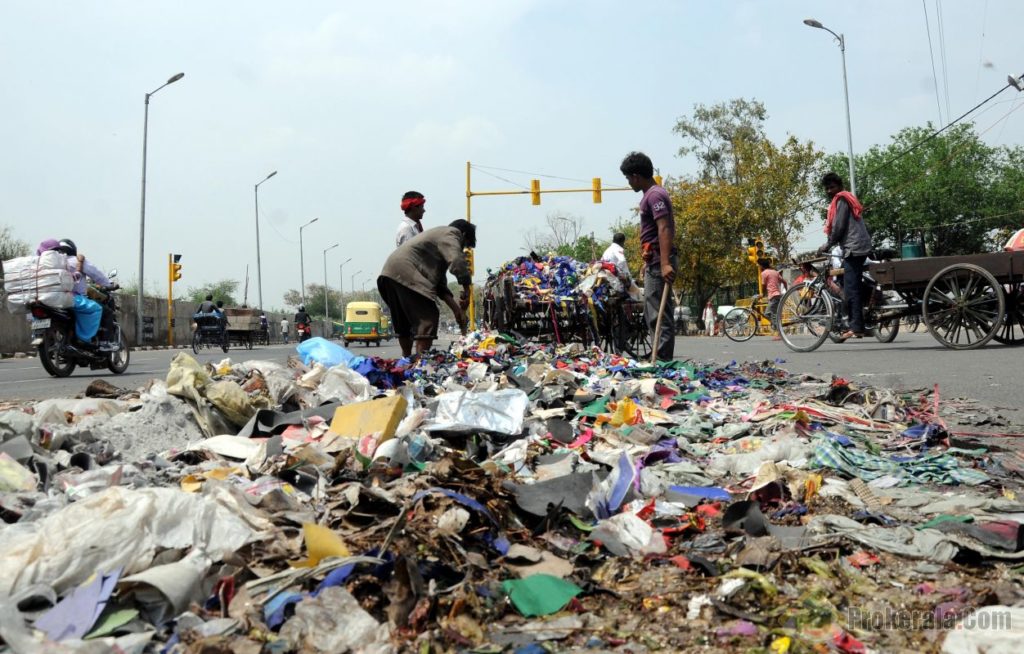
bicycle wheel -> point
(887, 330)
(740, 324)
(806, 316)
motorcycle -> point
(53, 335)
(304, 331)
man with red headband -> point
(413, 206)
(844, 226)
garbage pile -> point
(558, 279)
(504, 496)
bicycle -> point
(812, 311)
(742, 323)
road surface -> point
(990, 374)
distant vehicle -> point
(363, 323)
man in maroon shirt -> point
(657, 240)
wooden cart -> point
(965, 301)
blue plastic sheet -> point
(328, 354)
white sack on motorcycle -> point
(44, 279)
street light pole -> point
(327, 304)
(810, 22)
(352, 280)
(259, 265)
(341, 279)
(302, 261)
(142, 211)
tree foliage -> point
(713, 134)
(953, 191)
(11, 246)
(224, 290)
(315, 305)
(563, 235)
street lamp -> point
(352, 280)
(327, 304)
(810, 22)
(341, 278)
(259, 266)
(302, 261)
(142, 211)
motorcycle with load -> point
(53, 335)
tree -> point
(224, 290)
(747, 187)
(949, 192)
(10, 246)
(315, 305)
(713, 133)
(562, 229)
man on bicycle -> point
(845, 227)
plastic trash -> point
(498, 411)
(333, 622)
(540, 594)
(627, 535)
(326, 353)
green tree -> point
(712, 134)
(224, 290)
(315, 305)
(11, 246)
(950, 191)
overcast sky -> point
(354, 103)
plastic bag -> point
(342, 384)
(43, 279)
(326, 353)
(499, 411)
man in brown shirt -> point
(414, 277)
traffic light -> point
(596, 185)
(176, 268)
(755, 250)
(535, 191)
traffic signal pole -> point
(534, 192)
(170, 299)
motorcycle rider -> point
(89, 314)
(302, 320)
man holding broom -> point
(657, 241)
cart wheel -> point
(963, 306)
(196, 342)
(1011, 332)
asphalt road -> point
(991, 374)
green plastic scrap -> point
(945, 517)
(540, 594)
(596, 408)
(818, 567)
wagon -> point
(965, 301)
(614, 325)
(244, 327)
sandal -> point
(848, 334)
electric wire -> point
(942, 52)
(504, 179)
(523, 172)
(931, 56)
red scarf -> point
(855, 207)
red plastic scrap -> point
(862, 559)
(844, 642)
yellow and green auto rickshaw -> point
(363, 323)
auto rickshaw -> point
(385, 327)
(363, 323)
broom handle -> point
(657, 326)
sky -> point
(354, 103)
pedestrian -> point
(284, 330)
(708, 317)
(413, 206)
(615, 254)
(844, 226)
(773, 285)
(657, 243)
(414, 277)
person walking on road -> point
(414, 277)
(284, 330)
(844, 226)
(708, 317)
(413, 206)
(657, 242)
